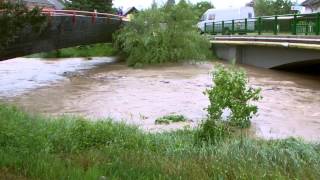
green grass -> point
(170, 119)
(35, 147)
(95, 50)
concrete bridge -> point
(269, 51)
(66, 28)
(270, 41)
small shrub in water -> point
(230, 92)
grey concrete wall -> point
(266, 57)
(227, 52)
(61, 32)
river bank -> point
(94, 50)
(35, 147)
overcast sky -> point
(141, 4)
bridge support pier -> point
(267, 56)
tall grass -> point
(35, 147)
(94, 50)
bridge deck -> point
(288, 39)
(269, 51)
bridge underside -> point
(62, 32)
(268, 56)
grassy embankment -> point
(94, 50)
(34, 147)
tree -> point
(165, 34)
(282, 7)
(16, 19)
(154, 5)
(170, 3)
(90, 5)
(202, 7)
(272, 7)
(231, 93)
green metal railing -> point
(288, 24)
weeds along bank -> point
(94, 50)
(35, 147)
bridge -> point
(268, 42)
(66, 28)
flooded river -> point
(101, 88)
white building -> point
(311, 6)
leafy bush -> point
(160, 35)
(230, 92)
(104, 6)
(16, 18)
(171, 119)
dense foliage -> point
(162, 34)
(16, 18)
(93, 50)
(231, 96)
(202, 7)
(33, 147)
(272, 7)
(90, 5)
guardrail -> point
(288, 24)
(75, 13)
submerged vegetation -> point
(170, 119)
(162, 34)
(34, 147)
(94, 50)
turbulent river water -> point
(101, 88)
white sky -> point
(141, 4)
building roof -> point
(57, 4)
(130, 10)
(250, 4)
(46, 3)
(310, 2)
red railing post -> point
(74, 18)
(94, 15)
(49, 17)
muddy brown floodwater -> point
(102, 88)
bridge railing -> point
(75, 13)
(288, 24)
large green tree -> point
(17, 20)
(170, 3)
(202, 7)
(272, 7)
(90, 5)
(165, 34)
